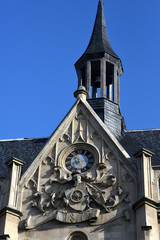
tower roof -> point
(99, 45)
(99, 41)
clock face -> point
(79, 159)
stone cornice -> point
(143, 151)
(4, 237)
(11, 211)
(146, 201)
(14, 160)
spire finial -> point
(81, 93)
(101, 2)
(99, 41)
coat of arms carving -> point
(77, 197)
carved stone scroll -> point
(77, 217)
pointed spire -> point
(99, 66)
(99, 41)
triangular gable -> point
(81, 106)
(81, 163)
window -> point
(77, 236)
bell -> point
(97, 82)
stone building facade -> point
(91, 179)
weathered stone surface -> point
(85, 181)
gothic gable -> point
(82, 174)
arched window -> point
(77, 236)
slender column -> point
(103, 77)
(115, 86)
(145, 207)
(94, 92)
(145, 177)
(88, 76)
(14, 165)
(79, 73)
(10, 215)
(109, 92)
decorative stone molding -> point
(77, 198)
(81, 93)
(147, 201)
(65, 138)
(95, 195)
(9, 221)
(48, 158)
(146, 228)
(11, 211)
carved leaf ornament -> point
(76, 194)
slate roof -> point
(135, 140)
(24, 149)
(27, 149)
(99, 41)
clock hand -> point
(79, 160)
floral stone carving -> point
(77, 197)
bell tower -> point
(99, 70)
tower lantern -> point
(99, 68)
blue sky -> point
(42, 39)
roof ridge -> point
(22, 139)
(144, 130)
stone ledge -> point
(147, 201)
(146, 228)
(15, 160)
(4, 237)
(143, 151)
(11, 211)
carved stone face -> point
(79, 159)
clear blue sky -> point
(40, 40)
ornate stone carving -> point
(80, 118)
(40, 202)
(80, 137)
(71, 195)
(80, 115)
(27, 222)
(31, 181)
(93, 135)
(65, 138)
(48, 159)
(77, 197)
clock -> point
(79, 159)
